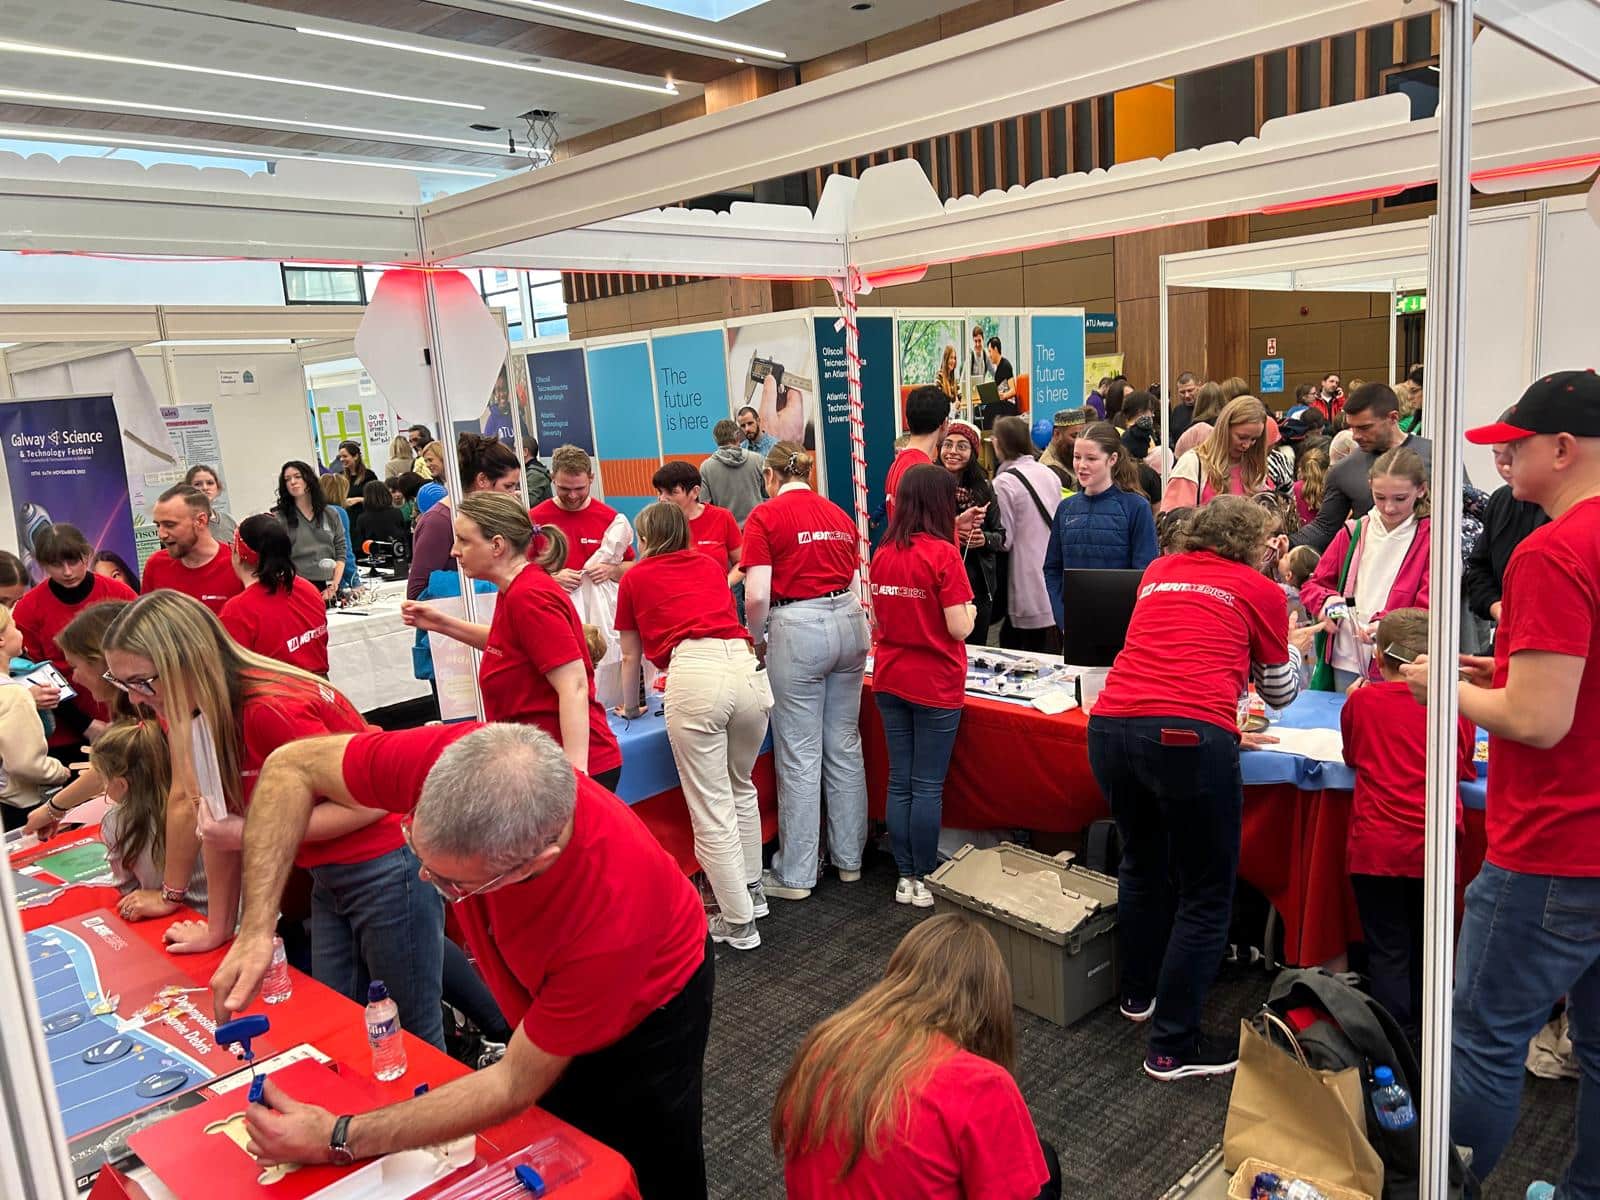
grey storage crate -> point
(1053, 922)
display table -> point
(369, 653)
(1013, 767)
(335, 1025)
(650, 786)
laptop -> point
(1098, 604)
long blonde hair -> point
(851, 1081)
(662, 529)
(1216, 453)
(136, 751)
(203, 671)
(1313, 473)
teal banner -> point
(877, 402)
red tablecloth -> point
(335, 1025)
(1015, 767)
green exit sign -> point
(1411, 304)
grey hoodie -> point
(731, 479)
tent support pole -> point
(452, 469)
(1446, 362)
(1166, 372)
(1394, 322)
(858, 427)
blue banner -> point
(64, 463)
(878, 392)
(1271, 375)
(560, 385)
(1058, 354)
(691, 389)
(622, 398)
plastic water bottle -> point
(1270, 1187)
(277, 987)
(383, 1033)
(1391, 1102)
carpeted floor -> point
(1119, 1133)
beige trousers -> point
(716, 705)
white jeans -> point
(716, 705)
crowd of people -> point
(1273, 559)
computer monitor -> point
(1097, 606)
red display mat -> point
(121, 1028)
(199, 1153)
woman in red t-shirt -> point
(800, 558)
(278, 615)
(371, 916)
(536, 668)
(922, 607)
(909, 1090)
(1164, 748)
(674, 606)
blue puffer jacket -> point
(1114, 530)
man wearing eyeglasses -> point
(589, 935)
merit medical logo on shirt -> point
(306, 638)
(806, 536)
(1198, 588)
(889, 589)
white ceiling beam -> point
(1256, 177)
(132, 324)
(38, 214)
(1020, 65)
(139, 325)
(1564, 31)
(31, 358)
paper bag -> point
(1309, 1121)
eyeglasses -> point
(453, 892)
(133, 687)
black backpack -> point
(1354, 1030)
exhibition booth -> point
(650, 398)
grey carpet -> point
(1119, 1133)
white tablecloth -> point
(369, 654)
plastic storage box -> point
(1053, 922)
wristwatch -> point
(336, 1142)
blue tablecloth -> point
(647, 765)
(1320, 710)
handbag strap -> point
(1032, 495)
(1271, 1018)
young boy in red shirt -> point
(1386, 741)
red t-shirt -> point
(535, 630)
(675, 597)
(290, 626)
(283, 712)
(1386, 741)
(583, 528)
(968, 1135)
(1543, 815)
(41, 614)
(1200, 621)
(213, 584)
(904, 460)
(809, 542)
(582, 953)
(715, 534)
(914, 656)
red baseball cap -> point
(1565, 402)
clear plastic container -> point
(1391, 1102)
(554, 1161)
(383, 1033)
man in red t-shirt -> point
(712, 530)
(927, 414)
(190, 560)
(580, 517)
(1530, 932)
(590, 937)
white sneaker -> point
(740, 937)
(849, 876)
(921, 897)
(903, 891)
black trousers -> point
(641, 1095)
(1391, 924)
(1039, 641)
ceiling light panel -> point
(677, 34)
(67, 52)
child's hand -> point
(145, 904)
(191, 937)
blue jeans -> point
(1526, 941)
(1174, 788)
(378, 920)
(920, 740)
(816, 653)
